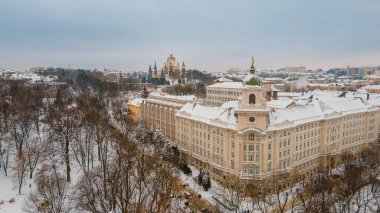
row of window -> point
(251, 169)
(251, 158)
(251, 148)
(234, 93)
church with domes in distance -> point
(171, 71)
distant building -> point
(334, 87)
(300, 69)
(170, 69)
(114, 76)
(372, 89)
(36, 69)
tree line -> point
(197, 89)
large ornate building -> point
(170, 69)
(256, 134)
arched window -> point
(252, 99)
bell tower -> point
(252, 111)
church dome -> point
(171, 57)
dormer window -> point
(252, 99)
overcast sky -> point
(211, 35)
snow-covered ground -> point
(216, 189)
(7, 192)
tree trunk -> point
(67, 159)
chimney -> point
(266, 85)
(269, 96)
(274, 95)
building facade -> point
(252, 141)
(248, 139)
(158, 112)
(219, 93)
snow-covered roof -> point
(174, 97)
(363, 91)
(212, 115)
(273, 88)
(371, 77)
(328, 85)
(273, 79)
(289, 94)
(317, 107)
(371, 87)
(234, 85)
(229, 104)
(231, 85)
(223, 80)
(136, 101)
(313, 106)
(280, 103)
(249, 77)
(375, 101)
(30, 76)
(297, 115)
(163, 102)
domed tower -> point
(252, 70)
(171, 62)
(252, 112)
(252, 79)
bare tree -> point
(233, 194)
(19, 170)
(34, 151)
(5, 148)
(63, 121)
(52, 192)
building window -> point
(251, 148)
(252, 99)
(251, 137)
